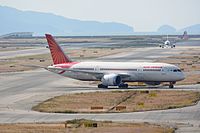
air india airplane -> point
(112, 73)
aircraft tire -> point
(102, 86)
(171, 86)
(124, 86)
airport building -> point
(18, 35)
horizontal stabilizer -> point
(34, 66)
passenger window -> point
(175, 70)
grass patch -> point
(141, 104)
(152, 94)
(86, 126)
(66, 111)
(144, 92)
(132, 100)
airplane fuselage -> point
(139, 72)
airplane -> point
(112, 73)
(185, 36)
(167, 44)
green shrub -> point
(153, 94)
(144, 92)
(140, 104)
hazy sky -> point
(143, 15)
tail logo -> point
(57, 54)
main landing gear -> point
(122, 86)
(102, 86)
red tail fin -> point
(57, 54)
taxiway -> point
(19, 91)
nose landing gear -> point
(171, 84)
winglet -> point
(57, 53)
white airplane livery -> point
(167, 44)
(112, 73)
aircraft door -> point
(97, 68)
(140, 74)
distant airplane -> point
(112, 73)
(185, 36)
(167, 44)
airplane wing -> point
(96, 74)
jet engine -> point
(152, 83)
(111, 80)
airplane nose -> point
(182, 76)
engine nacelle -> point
(111, 80)
(152, 83)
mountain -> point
(13, 20)
(166, 29)
(194, 29)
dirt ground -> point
(86, 126)
(118, 101)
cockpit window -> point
(176, 70)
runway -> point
(20, 91)
(145, 54)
